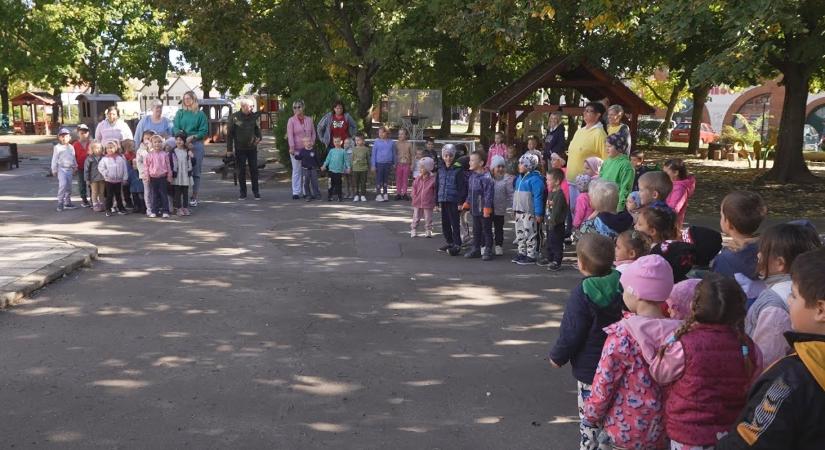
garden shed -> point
(512, 104)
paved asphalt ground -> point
(276, 324)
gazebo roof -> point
(33, 98)
(567, 72)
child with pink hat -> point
(680, 301)
(624, 397)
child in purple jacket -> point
(480, 204)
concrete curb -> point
(14, 292)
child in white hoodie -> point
(64, 164)
(113, 169)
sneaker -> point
(70, 206)
(413, 234)
(85, 204)
(309, 199)
(193, 202)
(363, 198)
(378, 198)
(180, 212)
(486, 257)
(543, 262)
(295, 197)
(165, 215)
(472, 254)
(121, 213)
(60, 208)
(429, 234)
(108, 214)
(445, 247)
(386, 198)
(151, 215)
(499, 250)
(257, 196)
(242, 197)
(356, 199)
(526, 261)
(517, 258)
(554, 267)
(454, 250)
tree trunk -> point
(664, 132)
(446, 121)
(363, 93)
(57, 108)
(206, 85)
(789, 164)
(700, 96)
(4, 94)
(471, 120)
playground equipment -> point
(414, 110)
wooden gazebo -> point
(32, 102)
(506, 108)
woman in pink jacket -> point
(298, 127)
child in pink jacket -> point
(583, 210)
(624, 398)
(683, 187)
(423, 197)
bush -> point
(318, 97)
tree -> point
(15, 50)
(787, 37)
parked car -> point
(811, 138)
(682, 133)
(648, 129)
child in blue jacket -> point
(528, 206)
(452, 191)
(479, 203)
(593, 305)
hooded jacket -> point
(679, 196)
(528, 196)
(786, 405)
(452, 185)
(90, 171)
(593, 305)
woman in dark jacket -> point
(554, 141)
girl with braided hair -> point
(706, 366)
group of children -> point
(147, 180)
(670, 353)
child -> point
(683, 187)
(630, 246)
(139, 163)
(348, 146)
(768, 318)
(558, 162)
(360, 167)
(583, 208)
(115, 174)
(707, 243)
(135, 183)
(637, 159)
(429, 149)
(502, 199)
(94, 178)
(707, 365)
(419, 153)
(604, 219)
(159, 174)
(624, 399)
(786, 404)
(464, 219)
(528, 206)
(81, 151)
(182, 163)
(511, 166)
(497, 148)
(452, 192)
(338, 165)
(654, 187)
(424, 196)
(309, 169)
(127, 150)
(381, 162)
(659, 226)
(617, 167)
(593, 305)
(593, 166)
(403, 159)
(556, 218)
(680, 302)
(479, 203)
(63, 167)
(741, 214)
(169, 148)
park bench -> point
(8, 156)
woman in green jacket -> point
(192, 121)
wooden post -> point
(511, 127)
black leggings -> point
(336, 185)
(498, 229)
(114, 191)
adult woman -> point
(192, 121)
(298, 127)
(336, 123)
(587, 142)
(112, 128)
(554, 139)
(154, 122)
(615, 114)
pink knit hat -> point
(681, 298)
(649, 277)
